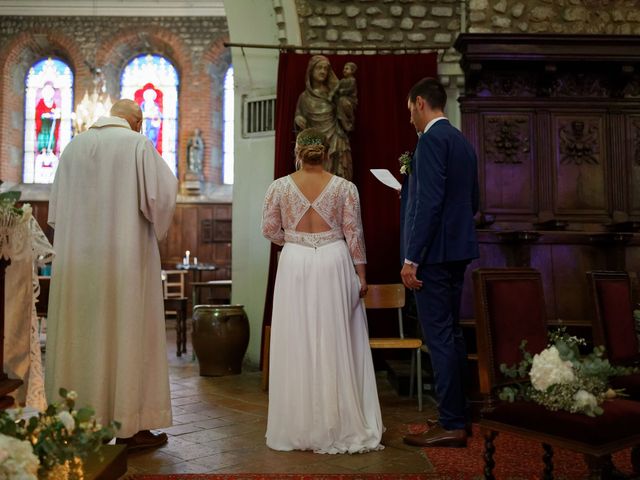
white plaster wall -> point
(252, 21)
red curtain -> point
(382, 132)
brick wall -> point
(193, 44)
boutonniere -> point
(405, 163)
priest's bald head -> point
(130, 111)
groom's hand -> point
(408, 274)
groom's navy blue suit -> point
(439, 235)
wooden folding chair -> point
(392, 296)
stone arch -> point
(15, 60)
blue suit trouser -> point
(438, 303)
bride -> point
(322, 387)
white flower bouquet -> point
(60, 436)
(17, 460)
(560, 378)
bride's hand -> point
(364, 288)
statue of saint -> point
(195, 153)
(317, 108)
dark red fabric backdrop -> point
(382, 132)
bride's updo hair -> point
(311, 146)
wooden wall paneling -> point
(619, 171)
(631, 157)
(569, 263)
(491, 255)
(206, 213)
(541, 260)
(190, 228)
(581, 173)
(508, 163)
(545, 162)
(171, 251)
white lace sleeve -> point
(271, 216)
(352, 226)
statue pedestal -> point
(192, 184)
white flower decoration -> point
(67, 420)
(17, 460)
(549, 369)
(585, 401)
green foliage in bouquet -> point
(8, 203)
(61, 433)
(560, 378)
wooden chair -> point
(614, 325)
(175, 305)
(392, 296)
(510, 308)
(173, 283)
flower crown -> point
(305, 141)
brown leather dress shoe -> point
(438, 437)
(468, 427)
(143, 440)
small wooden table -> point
(212, 286)
(111, 466)
(179, 305)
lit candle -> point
(186, 255)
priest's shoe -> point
(468, 427)
(437, 436)
(143, 440)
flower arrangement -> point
(58, 437)
(17, 460)
(560, 378)
(405, 163)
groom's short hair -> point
(431, 90)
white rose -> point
(549, 369)
(67, 420)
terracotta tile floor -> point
(219, 426)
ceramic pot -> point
(220, 338)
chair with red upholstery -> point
(510, 308)
(614, 325)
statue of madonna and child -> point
(329, 104)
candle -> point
(195, 260)
(186, 255)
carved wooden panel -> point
(580, 171)
(507, 163)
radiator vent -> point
(259, 116)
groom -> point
(439, 242)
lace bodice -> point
(338, 205)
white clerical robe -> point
(111, 202)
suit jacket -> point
(442, 198)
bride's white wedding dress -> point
(322, 387)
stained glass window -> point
(48, 107)
(227, 121)
(152, 81)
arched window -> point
(227, 132)
(152, 81)
(47, 129)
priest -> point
(111, 202)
